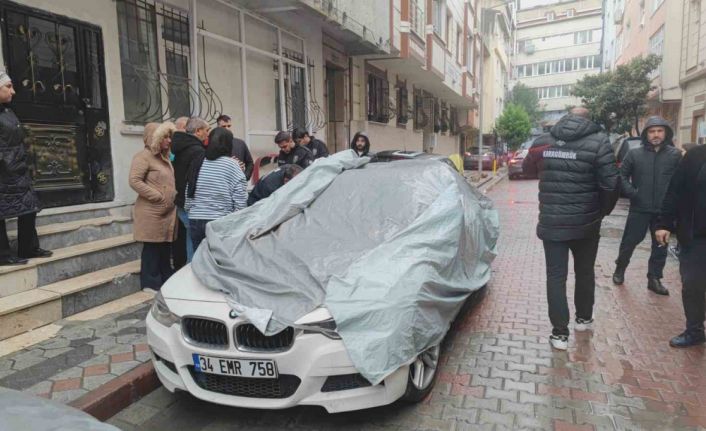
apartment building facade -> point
(643, 27)
(557, 45)
(692, 73)
(404, 71)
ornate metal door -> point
(56, 65)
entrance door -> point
(337, 129)
(56, 65)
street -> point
(498, 370)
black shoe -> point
(655, 285)
(12, 260)
(37, 252)
(688, 339)
(619, 276)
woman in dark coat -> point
(17, 197)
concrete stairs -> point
(95, 261)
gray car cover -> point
(392, 250)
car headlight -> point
(327, 328)
(161, 312)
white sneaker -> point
(559, 342)
(583, 325)
(149, 290)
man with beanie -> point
(646, 172)
(578, 186)
(17, 197)
(684, 212)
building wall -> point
(222, 70)
(555, 39)
(693, 71)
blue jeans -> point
(198, 231)
(184, 217)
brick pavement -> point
(498, 370)
(82, 356)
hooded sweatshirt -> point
(578, 183)
(646, 172)
(366, 151)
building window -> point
(693, 32)
(459, 49)
(416, 17)
(657, 47)
(585, 36)
(570, 13)
(150, 74)
(554, 91)
(437, 15)
(700, 130)
(469, 52)
(378, 97)
(447, 33)
(550, 16)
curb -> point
(109, 399)
(488, 184)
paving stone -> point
(468, 415)
(482, 403)
(66, 397)
(512, 385)
(553, 412)
(138, 414)
(488, 382)
(122, 367)
(501, 394)
(56, 352)
(40, 388)
(491, 417)
(27, 359)
(131, 339)
(96, 360)
(160, 398)
(70, 373)
(625, 401)
(55, 343)
(580, 405)
(516, 408)
(93, 382)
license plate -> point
(250, 368)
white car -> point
(392, 250)
(200, 347)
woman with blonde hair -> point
(154, 215)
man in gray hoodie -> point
(646, 172)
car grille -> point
(248, 337)
(282, 387)
(344, 382)
(204, 331)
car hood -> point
(184, 286)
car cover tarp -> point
(392, 250)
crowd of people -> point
(580, 183)
(189, 174)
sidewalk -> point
(68, 359)
(498, 371)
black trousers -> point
(636, 227)
(692, 266)
(556, 254)
(27, 240)
(156, 267)
(179, 246)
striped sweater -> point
(220, 190)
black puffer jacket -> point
(646, 172)
(17, 197)
(186, 148)
(578, 181)
(317, 148)
(298, 156)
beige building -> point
(643, 27)
(498, 32)
(557, 45)
(692, 75)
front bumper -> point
(514, 169)
(312, 358)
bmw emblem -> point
(233, 314)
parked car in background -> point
(470, 160)
(623, 145)
(514, 166)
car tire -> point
(422, 376)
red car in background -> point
(530, 151)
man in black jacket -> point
(17, 197)
(684, 212)
(186, 146)
(645, 173)
(317, 147)
(241, 152)
(291, 153)
(578, 186)
(268, 185)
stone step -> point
(60, 235)
(68, 262)
(79, 212)
(24, 311)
